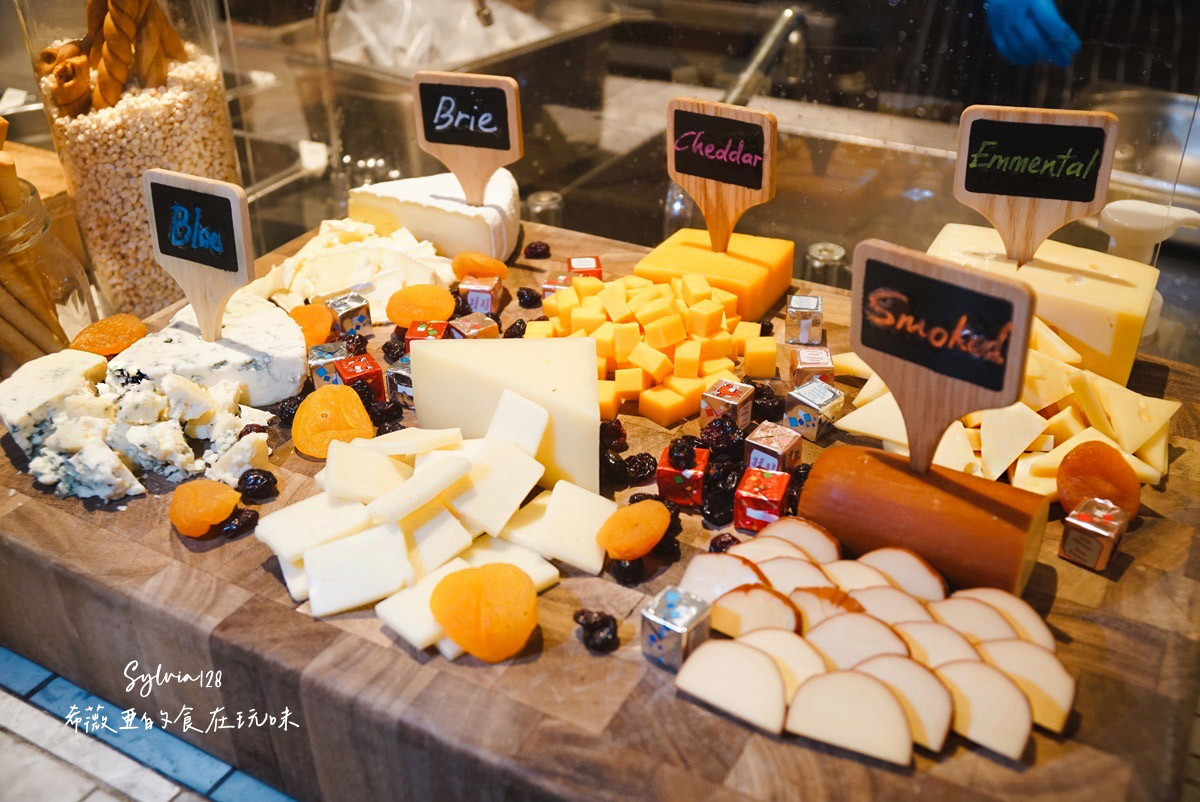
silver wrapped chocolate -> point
(733, 399)
(320, 363)
(772, 447)
(674, 623)
(805, 324)
(482, 294)
(398, 379)
(1092, 533)
(812, 407)
(351, 312)
(809, 362)
(555, 282)
(475, 326)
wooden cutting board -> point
(85, 590)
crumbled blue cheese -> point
(249, 452)
(186, 400)
(142, 405)
(72, 434)
(95, 471)
(37, 390)
(223, 433)
(157, 447)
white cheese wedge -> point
(1065, 424)
(519, 421)
(1044, 339)
(38, 389)
(1045, 380)
(488, 550)
(357, 570)
(434, 208)
(1089, 403)
(1004, 434)
(260, 347)
(851, 364)
(1135, 418)
(409, 442)
(407, 613)
(1022, 478)
(880, 419)
(525, 529)
(291, 531)
(434, 536)
(573, 519)
(1154, 452)
(423, 487)
(1047, 464)
(870, 391)
(355, 473)
(458, 383)
(501, 477)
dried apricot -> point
(315, 320)
(632, 532)
(472, 263)
(201, 504)
(110, 336)
(332, 412)
(418, 302)
(489, 611)
(1097, 470)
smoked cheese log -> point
(975, 532)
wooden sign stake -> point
(460, 139)
(722, 202)
(201, 233)
(1032, 178)
(946, 340)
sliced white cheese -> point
(355, 473)
(408, 442)
(1154, 452)
(1089, 402)
(1135, 418)
(870, 391)
(423, 487)
(519, 421)
(291, 531)
(880, 419)
(357, 570)
(1044, 339)
(487, 550)
(407, 613)
(1047, 464)
(434, 536)
(1005, 434)
(501, 477)
(573, 519)
(295, 580)
(525, 529)
(1021, 477)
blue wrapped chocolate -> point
(674, 623)
(321, 359)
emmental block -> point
(758, 270)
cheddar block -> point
(687, 360)
(760, 358)
(690, 389)
(1096, 302)
(1004, 434)
(1044, 339)
(665, 332)
(610, 400)
(652, 361)
(704, 318)
(758, 270)
(1135, 418)
(1047, 464)
(662, 405)
(1065, 424)
(716, 365)
(630, 382)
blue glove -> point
(1031, 32)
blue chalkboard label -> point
(194, 226)
(1034, 160)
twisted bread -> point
(72, 86)
(150, 63)
(97, 10)
(120, 31)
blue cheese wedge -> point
(260, 348)
(95, 471)
(38, 389)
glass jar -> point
(45, 298)
(125, 92)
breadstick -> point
(16, 345)
(33, 330)
(168, 37)
(72, 90)
(120, 30)
(19, 275)
(97, 10)
(150, 64)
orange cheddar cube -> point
(704, 318)
(603, 335)
(695, 288)
(641, 296)
(610, 401)
(561, 327)
(636, 282)
(577, 333)
(759, 361)
(652, 361)
(711, 366)
(687, 360)
(718, 345)
(550, 306)
(662, 405)
(712, 379)
(586, 286)
(744, 331)
(690, 389)
(677, 286)
(651, 311)
(758, 270)
(731, 323)
(664, 291)
(665, 332)
(727, 299)
(539, 329)
(626, 337)
(612, 298)
(586, 320)
(592, 303)
(567, 300)
(601, 368)
(630, 382)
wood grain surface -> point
(86, 589)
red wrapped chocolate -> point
(362, 368)
(426, 330)
(686, 487)
(760, 498)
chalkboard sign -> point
(470, 123)
(945, 327)
(1035, 160)
(718, 148)
(946, 340)
(200, 230)
(472, 116)
(1032, 171)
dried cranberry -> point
(791, 500)
(393, 350)
(612, 468)
(766, 327)
(722, 478)
(722, 543)
(399, 333)
(537, 250)
(287, 409)
(640, 468)
(627, 572)
(667, 549)
(384, 411)
(461, 308)
(721, 435)
(388, 426)
(765, 409)
(717, 510)
(598, 630)
(356, 344)
(529, 298)
(257, 485)
(251, 428)
(612, 435)
(515, 331)
(495, 318)
(365, 393)
(239, 522)
(681, 454)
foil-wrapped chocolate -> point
(585, 266)
(425, 330)
(773, 447)
(475, 326)
(809, 362)
(760, 498)
(321, 360)
(555, 282)
(674, 623)
(1092, 533)
(351, 312)
(812, 408)
(398, 378)
(362, 368)
(482, 293)
(805, 322)
(732, 399)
